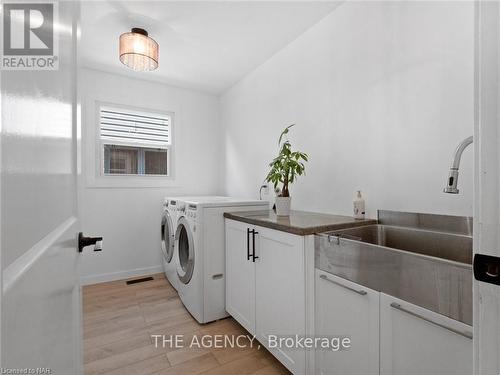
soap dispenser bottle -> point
(359, 206)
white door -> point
(345, 309)
(417, 341)
(240, 274)
(40, 303)
(280, 294)
(487, 181)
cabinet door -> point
(280, 293)
(416, 341)
(346, 309)
(240, 276)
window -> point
(135, 142)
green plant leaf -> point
(284, 132)
(285, 167)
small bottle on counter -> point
(359, 206)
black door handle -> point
(87, 241)
(248, 243)
(253, 245)
(487, 268)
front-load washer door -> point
(167, 237)
(185, 251)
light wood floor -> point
(119, 320)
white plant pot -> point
(283, 206)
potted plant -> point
(284, 170)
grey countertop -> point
(301, 223)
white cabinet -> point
(345, 309)
(388, 336)
(240, 275)
(416, 341)
(265, 287)
(280, 293)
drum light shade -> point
(138, 51)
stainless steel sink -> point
(420, 258)
(454, 247)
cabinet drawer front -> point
(415, 341)
(345, 309)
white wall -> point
(381, 94)
(127, 213)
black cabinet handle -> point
(87, 241)
(487, 268)
(248, 243)
(253, 243)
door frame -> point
(486, 297)
(77, 162)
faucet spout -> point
(451, 186)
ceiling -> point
(204, 45)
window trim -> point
(132, 177)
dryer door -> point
(167, 237)
(185, 250)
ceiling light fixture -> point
(138, 51)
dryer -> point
(200, 253)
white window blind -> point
(130, 127)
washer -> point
(168, 225)
(200, 252)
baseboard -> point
(113, 276)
